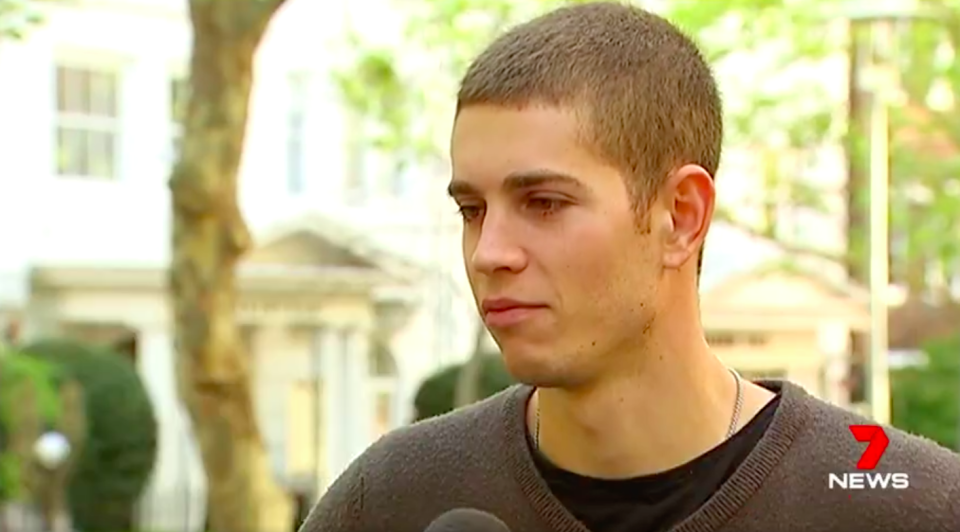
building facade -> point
(347, 301)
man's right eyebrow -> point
(458, 188)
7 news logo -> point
(865, 478)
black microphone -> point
(466, 520)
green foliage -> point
(925, 183)
(18, 371)
(16, 16)
(9, 477)
(121, 445)
(770, 55)
(784, 117)
(926, 399)
(780, 117)
(402, 93)
(436, 395)
(925, 187)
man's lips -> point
(504, 304)
(499, 313)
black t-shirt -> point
(654, 503)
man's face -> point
(562, 272)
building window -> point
(87, 122)
(757, 339)
(247, 339)
(382, 365)
(374, 172)
(296, 134)
(730, 339)
(383, 383)
(399, 178)
(354, 186)
(383, 421)
(763, 375)
(179, 92)
(720, 339)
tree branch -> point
(236, 19)
(791, 249)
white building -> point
(349, 300)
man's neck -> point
(678, 406)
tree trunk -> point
(208, 238)
(915, 273)
(468, 380)
(858, 212)
(858, 119)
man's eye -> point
(468, 212)
(545, 205)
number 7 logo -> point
(877, 445)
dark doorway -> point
(302, 504)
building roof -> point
(916, 322)
(342, 236)
(731, 252)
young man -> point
(583, 152)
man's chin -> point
(533, 367)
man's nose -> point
(497, 248)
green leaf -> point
(18, 16)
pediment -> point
(303, 248)
(773, 290)
(783, 292)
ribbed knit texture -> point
(478, 457)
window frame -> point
(298, 85)
(86, 120)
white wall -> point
(125, 222)
(124, 35)
(47, 220)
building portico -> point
(319, 321)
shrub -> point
(121, 446)
(23, 378)
(437, 393)
(925, 398)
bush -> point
(925, 398)
(23, 378)
(437, 394)
(121, 444)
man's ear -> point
(688, 198)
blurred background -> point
(209, 308)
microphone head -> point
(467, 520)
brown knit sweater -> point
(478, 457)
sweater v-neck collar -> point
(791, 416)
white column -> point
(175, 498)
(320, 431)
(334, 422)
(39, 321)
(271, 383)
(359, 405)
(834, 339)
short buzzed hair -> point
(649, 100)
